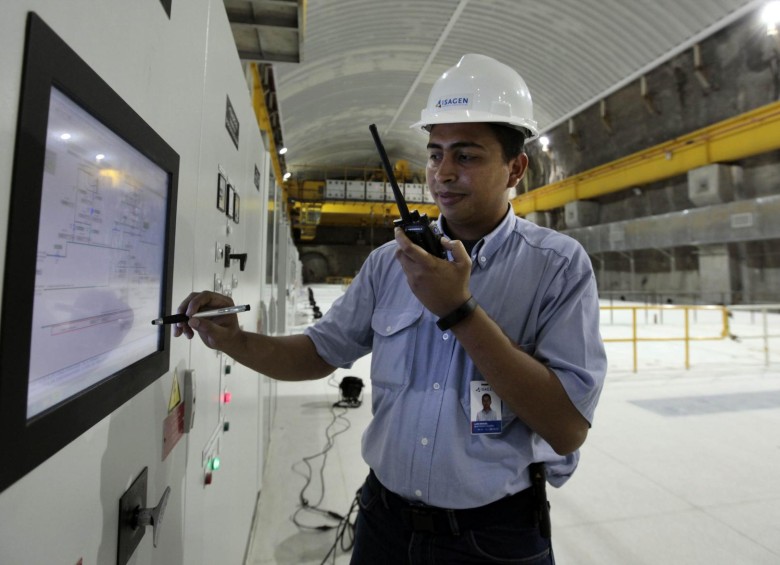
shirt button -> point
(418, 492)
(436, 386)
(482, 259)
(445, 337)
(389, 328)
(424, 441)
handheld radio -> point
(417, 227)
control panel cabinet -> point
(174, 471)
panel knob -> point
(152, 516)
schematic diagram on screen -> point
(100, 255)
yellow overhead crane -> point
(748, 134)
(752, 133)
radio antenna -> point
(399, 198)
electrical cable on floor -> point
(304, 503)
(345, 526)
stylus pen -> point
(176, 318)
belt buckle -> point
(422, 520)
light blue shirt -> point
(538, 286)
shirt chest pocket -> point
(395, 339)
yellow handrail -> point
(634, 339)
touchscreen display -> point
(100, 257)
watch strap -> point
(458, 315)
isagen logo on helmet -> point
(453, 102)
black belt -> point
(518, 508)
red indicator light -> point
(227, 397)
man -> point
(487, 414)
(514, 308)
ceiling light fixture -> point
(282, 151)
(770, 15)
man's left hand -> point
(440, 285)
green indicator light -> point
(215, 463)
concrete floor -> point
(681, 465)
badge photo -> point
(485, 409)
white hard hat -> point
(480, 89)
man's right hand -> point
(288, 358)
(218, 332)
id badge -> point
(485, 409)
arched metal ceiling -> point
(374, 61)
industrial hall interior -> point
(296, 282)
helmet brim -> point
(529, 128)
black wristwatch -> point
(458, 315)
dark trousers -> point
(393, 531)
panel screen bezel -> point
(50, 63)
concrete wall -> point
(339, 251)
(321, 261)
(741, 66)
(741, 71)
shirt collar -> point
(489, 244)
